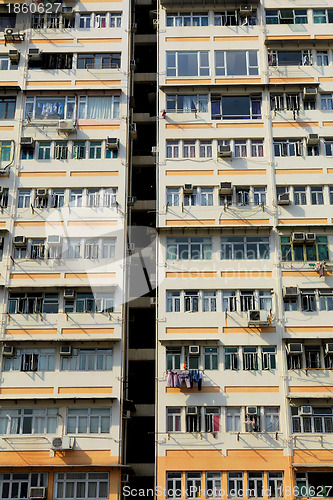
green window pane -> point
(311, 253)
(298, 252)
(286, 252)
(322, 252)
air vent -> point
(298, 237)
(27, 142)
(251, 410)
(20, 241)
(192, 410)
(312, 139)
(62, 443)
(69, 293)
(112, 143)
(42, 193)
(245, 9)
(284, 199)
(291, 291)
(35, 54)
(37, 493)
(225, 188)
(310, 238)
(295, 348)
(65, 350)
(306, 410)
(188, 189)
(14, 55)
(258, 318)
(66, 125)
(223, 151)
(310, 93)
(194, 350)
(8, 351)
(54, 239)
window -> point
(236, 107)
(250, 358)
(313, 150)
(5, 150)
(173, 302)
(115, 19)
(209, 301)
(331, 195)
(231, 361)
(91, 249)
(33, 303)
(275, 484)
(57, 198)
(235, 485)
(27, 154)
(265, 300)
(19, 252)
(76, 198)
(100, 20)
(172, 149)
(321, 420)
(173, 355)
(49, 108)
(300, 195)
(272, 418)
(212, 419)
(7, 21)
(257, 148)
(189, 149)
(206, 197)
(61, 150)
(187, 19)
(44, 151)
(287, 147)
(172, 197)
(187, 103)
(81, 485)
(42, 359)
(255, 483)
(174, 485)
(294, 361)
(276, 100)
(24, 198)
(28, 421)
(325, 300)
(37, 249)
(187, 63)
(289, 58)
(326, 102)
(4, 198)
(229, 301)
(242, 196)
(233, 18)
(268, 358)
(312, 357)
(7, 107)
(213, 484)
(317, 196)
(95, 150)
(193, 484)
(88, 420)
(17, 485)
(259, 195)
(240, 149)
(85, 20)
(191, 301)
(322, 16)
(205, 149)
(308, 301)
(236, 62)
(86, 302)
(301, 252)
(108, 248)
(328, 148)
(322, 58)
(233, 419)
(193, 419)
(79, 150)
(99, 359)
(99, 61)
(174, 419)
(211, 358)
(287, 16)
(195, 248)
(99, 108)
(60, 60)
(247, 300)
(245, 247)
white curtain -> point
(100, 108)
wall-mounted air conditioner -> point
(194, 350)
(298, 237)
(65, 350)
(295, 348)
(62, 443)
(20, 241)
(284, 199)
(258, 318)
(223, 151)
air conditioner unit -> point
(54, 239)
(66, 125)
(131, 200)
(69, 293)
(251, 410)
(284, 199)
(34, 54)
(20, 241)
(312, 139)
(188, 189)
(225, 188)
(132, 130)
(310, 93)
(291, 292)
(14, 55)
(67, 12)
(8, 351)
(134, 28)
(126, 414)
(295, 348)
(27, 142)
(258, 318)
(42, 193)
(223, 151)
(245, 9)
(194, 350)
(37, 493)
(154, 150)
(112, 143)
(310, 238)
(298, 237)
(192, 410)
(306, 410)
(65, 350)
(329, 348)
(62, 443)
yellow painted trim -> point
(195, 222)
(182, 81)
(92, 223)
(246, 274)
(243, 222)
(240, 125)
(85, 390)
(237, 80)
(246, 329)
(51, 40)
(312, 329)
(87, 331)
(6, 127)
(94, 173)
(31, 331)
(330, 170)
(193, 329)
(41, 223)
(294, 124)
(187, 39)
(328, 124)
(325, 79)
(189, 172)
(235, 38)
(311, 388)
(42, 174)
(323, 37)
(35, 276)
(2, 223)
(89, 275)
(188, 125)
(302, 221)
(247, 171)
(25, 458)
(189, 390)
(192, 274)
(26, 390)
(251, 389)
(302, 171)
(98, 82)
(49, 83)
(289, 37)
(99, 40)
(9, 84)
(292, 80)
(305, 273)
(98, 127)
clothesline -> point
(176, 379)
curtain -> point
(100, 108)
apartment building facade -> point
(244, 318)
